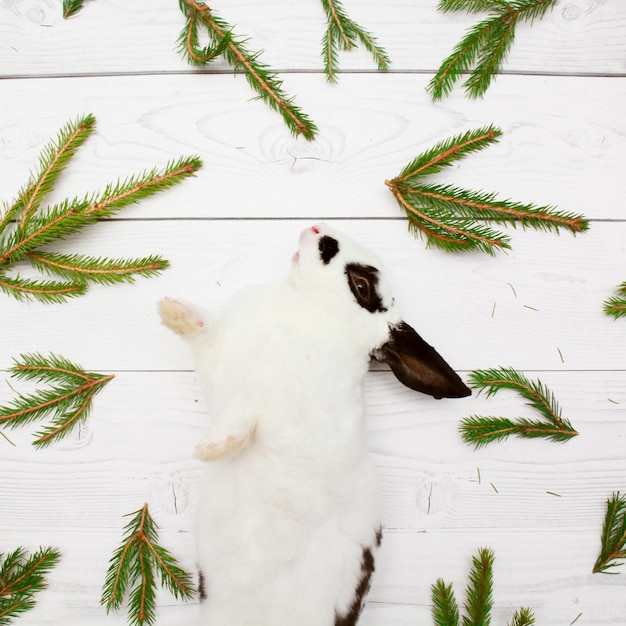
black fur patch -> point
(363, 283)
(329, 247)
(202, 586)
(367, 569)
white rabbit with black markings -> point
(289, 516)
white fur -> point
(292, 502)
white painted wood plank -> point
(75, 585)
(564, 142)
(581, 36)
(547, 571)
(138, 442)
(539, 307)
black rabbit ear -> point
(418, 365)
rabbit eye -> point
(362, 286)
(362, 280)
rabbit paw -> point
(179, 317)
(214, 449)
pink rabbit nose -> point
(320, 227)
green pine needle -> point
(480, 430)
(447, 152)
(71, 7)
(453, 219)
(52, 161)
(26, 227)
(616, 305)
(225, 43)
(136, 563)
(343, 33)
(538, 396)
(613, 535)
(479, 598)
(68, 398)
(21, 577)
(479, 591)
(523, 617)
(445, 607)
(76, 267)
(48, 292)
(484, 48)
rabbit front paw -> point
(179, 317)
(216, 448)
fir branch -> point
(26, 227)
(446, 231)
(69, 397)
(21, 577)
(453, 219)
(52, 161)
(484, 48)
(479, 592)
(616, 305)
(480, 430)
(538, 396)
(523, 617)
(447, 152)
(76, 267)
(471, 205)
(613, 535)
(445, 608)
(71, 7)
(72, 215)
(224, 42)
(48, 292)
(342, 33)
(479, 598)
(134, 564)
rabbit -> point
(289, 515)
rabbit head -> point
(341, 279)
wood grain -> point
(578, 36)
(538, 307)
(560, 103)
(568, 153)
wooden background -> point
(561, 103)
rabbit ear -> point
(418, 365)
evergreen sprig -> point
(343, 33)
(613, 535)
(616, 305)
(26, 227)
(480, 431)
(224, 42)
(445, 607)
(486, 45)
(479, 598)
(71, 7)
(479, 591)
(453, 219)
(69, 396)
(21, 578)
(136, 563)
(523, 617)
